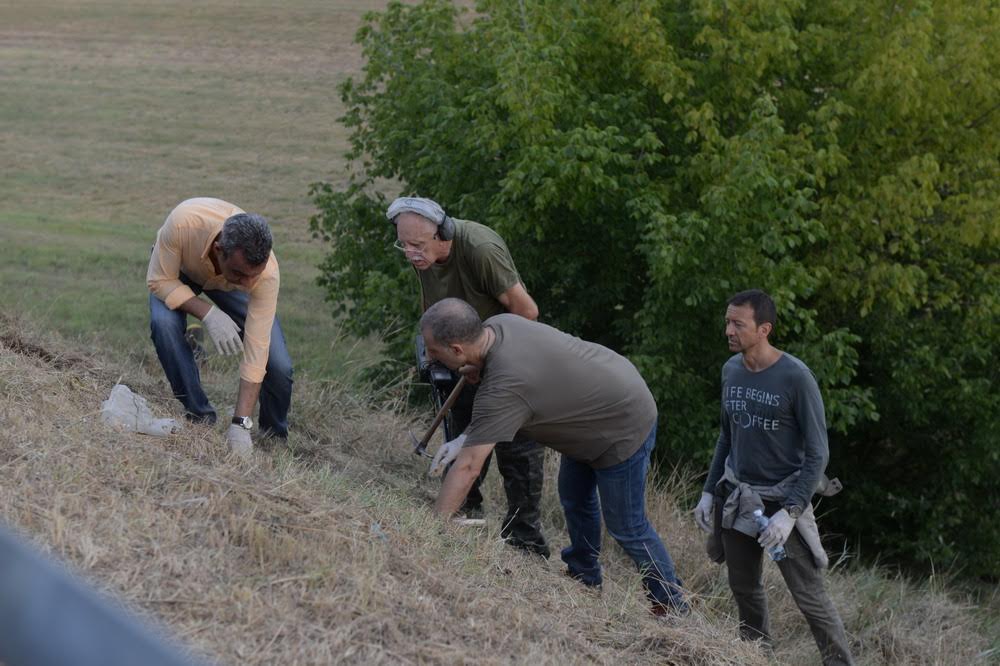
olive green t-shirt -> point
(479, 268)
(574, 396)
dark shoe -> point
(473, 512)
(580, 579)
(268, 441)
(540, 549)
(670, 610)
(200, 419)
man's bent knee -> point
(279, 371)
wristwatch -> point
(794, 511)
(244, 422)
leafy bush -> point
(647, 159)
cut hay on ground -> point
(328, 552)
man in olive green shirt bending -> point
(467, 260)
(574, 396)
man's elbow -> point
(525, 308)
(158, 289)
(161, 287)
(822, 454)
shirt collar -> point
(206, 254)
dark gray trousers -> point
(744, 560)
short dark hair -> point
(452, 320)
(247, 232)
(761, 303)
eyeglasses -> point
(414, 248)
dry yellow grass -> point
(328, 552)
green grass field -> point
(113, 112)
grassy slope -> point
(329, 552)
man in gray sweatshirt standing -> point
(771, 455)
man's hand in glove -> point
(238, 439)
(223, 331)
(445, 454)
(779, 526)
(703, 512)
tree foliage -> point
(647, 159)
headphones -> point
(427, 209)
(446, 230)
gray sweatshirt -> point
(772, 425)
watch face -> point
(243, 421)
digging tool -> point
(420, 447)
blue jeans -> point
(167, 330)
(622, 490)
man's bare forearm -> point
(246, 398)
(456, 486)
(195, 306)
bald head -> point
(451, 321)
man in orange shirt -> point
(211, 247)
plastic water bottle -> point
(776, 552)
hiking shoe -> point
(473, 512)
(670, 610)
(579, 578)
(200, 419)
(540, 549)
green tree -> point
(647, 159)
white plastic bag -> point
(128, 411)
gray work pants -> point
(744, 558)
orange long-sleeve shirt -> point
(183, 245)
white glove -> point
(223, 331)
(779, 526)
(445, 454)
(238, 439)
(129, 411)
(703, 513)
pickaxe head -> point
(420, 445)
(419, 448)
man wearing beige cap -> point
(208, 247)
(467, 260)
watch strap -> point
(243, 422)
